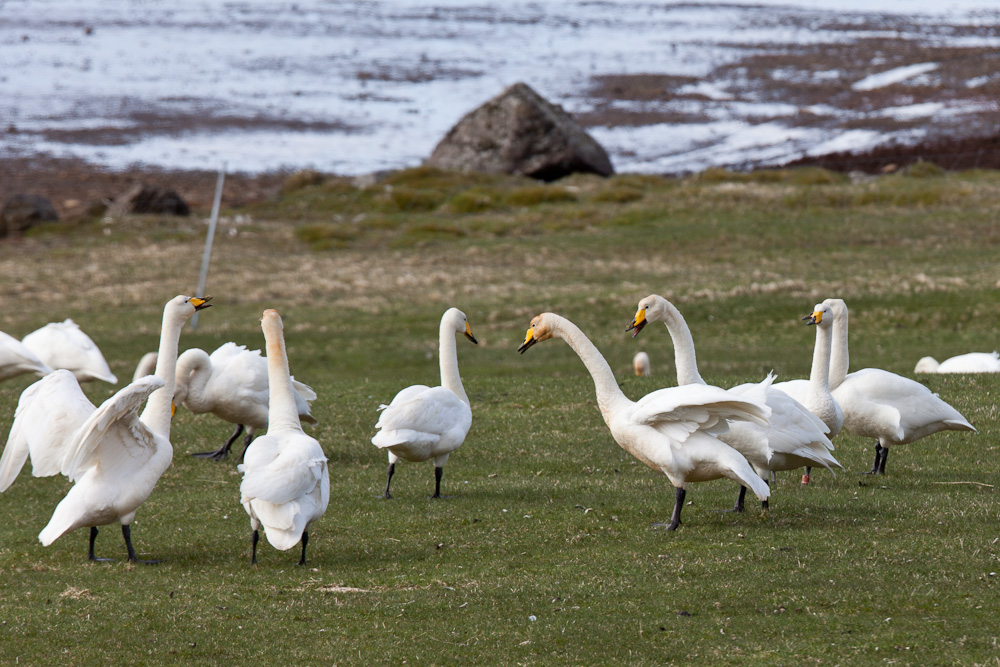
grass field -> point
(542, 552)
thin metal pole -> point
(206, 258)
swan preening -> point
(421, 422)
(112, 453)
(286, 484)
(65, 345)
(890, 408)
(674, 430)
(794, 438)
(16, 359)
(973, 362)
(232, 384)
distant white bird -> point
(64, 345)
(640, 364)
(973, 362)
(794, 438)
(113, 454)
(232, 384)
(146, 366)
(890, 408)
(674, 430)
(286, 483)
(16, 359)
(423, 422)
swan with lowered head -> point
(421, 422)
(973, 362)
(232, 384)
(794, 438)
(286, 483)
(112, 453)
(674, 430)
(16, 358)
(640, 364)
(64, 345)
(890, 408)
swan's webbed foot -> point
(878, 467)
(90, 554)
(222, 452)
(675, 518)
(388, 481)
(127, 534)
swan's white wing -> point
(303, 391)
(65, 345)
(281, 468)
(421, 417)
(16, 358)
(48, 413)
(694, 407)
(113, 437)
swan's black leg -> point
(437, 481)
(253, 541)
(675, 518)
(881, 463)
(388, 480)
(740, 498)
(305, 541)
(878, 457)
(127, 534)
(221, 452)
(764, 504)
(246, 445)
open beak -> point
(813, 318)
(200, 303)
(638, 322)
(468, 334)
(529, 340)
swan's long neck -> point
(684, 355)
(282, 414)
(194, 369)
(819, 376)
(840, 360)
(159, 406)
(609, 394)
(448, 360)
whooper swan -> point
(232, 385)
(64, 345)
(16, 359)
(113, 454)
(890, 408)
(674, 430)
(286, 484)
(795, 437)
(973, 362)
(421, 422)
(640, 364)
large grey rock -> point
(142, 198)
(21, 212)
(519, 132)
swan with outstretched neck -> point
(428, 423)
(794, 438)
(113, 454)
(674, 430)
(286, 482)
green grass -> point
(546, 516)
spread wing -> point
(679, 411)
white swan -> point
(640, 364)
(113, 454)
(64, 345)
(286, 484)
(146, 366)
(973, 362)
(232, 385)
(795, 438)
(890, 408)
(673, 430)
(16, 359)
(421, 422)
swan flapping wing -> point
(65, 345)
(48, 413)
(16, 358)
(697, 407)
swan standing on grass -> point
(232, 384)
(16, 359)
(795, 438)
(890, 408)
(64, 345)
(673, 430)
(286, 483)
(113, 454)
(815, 393)
(973, 362)
(640, 364)
(421, 422)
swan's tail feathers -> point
(63, 520)
(309, 419)
(960, 425)
(15, 454)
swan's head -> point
(271, 320)
(539, 330)
(461, 323)
(651, 309)
(837, 307)
(927, 365)
(821, 316)
(186, 306)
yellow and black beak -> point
(200, 303)
(638, 322)
(529, 340)
(814, 317)
(468, 334)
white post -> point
(206, 258)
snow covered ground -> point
(352, 87)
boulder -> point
(21, 212)
(519, 132)
(143, 198)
